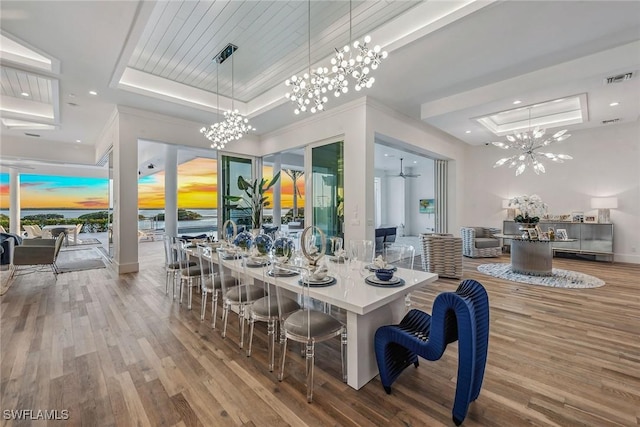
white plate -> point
(393, 282)
(327, 281)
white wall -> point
(422, 187)
(393, 201)
(606, 162)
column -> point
(171, 191)
(125, 195)
(14, 202)
(277, 191)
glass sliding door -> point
(327, 168)
(229, 169)
(111, 251)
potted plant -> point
(531, 208)
(254, 199)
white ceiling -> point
(449, 63)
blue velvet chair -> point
(462, 315)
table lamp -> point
(511, 212)
(603, 204)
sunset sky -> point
(197, 189)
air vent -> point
(610, 121)
(35, 135)
(619, 78)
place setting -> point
(282, 251)
(317, 275)
(383, 274)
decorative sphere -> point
(263, 243)
(243, 240)
(283, 247)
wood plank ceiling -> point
(181, 38)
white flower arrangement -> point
(531, 208)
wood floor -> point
(114, 350)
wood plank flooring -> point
(115, 350)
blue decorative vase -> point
(263, 243)
(243, 240)
(284, 247)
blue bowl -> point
(384, 274)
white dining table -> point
(70, 228)
(367, 308)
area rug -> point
(79, 260)
(559, 279)
(89, 241)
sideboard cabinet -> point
(591, 239)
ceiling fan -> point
(406, 175)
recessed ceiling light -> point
(24, 94)
(415, 162)
(613, 104)
(72, 95)
(516, 102)
(77, 140)
(467, 131)
(386, 155)
(93, 92)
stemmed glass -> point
(360, 255)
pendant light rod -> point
(350, 10)
(232, 92)
(217, 92)
(309, 33)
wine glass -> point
(360, 255)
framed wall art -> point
(427, 206)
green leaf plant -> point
(254, 199)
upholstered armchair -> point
(478, 242)
(37, 252)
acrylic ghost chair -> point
(267, 309)
(190, 274)
(172, 266)
(309, 326)
(211, 281)
(242, 293)
(461, 316)
(401, 255)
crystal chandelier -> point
(529, 143)
(235, 125)
(308, 92)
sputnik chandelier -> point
(308, 92)
(529, 143)
(235, 125)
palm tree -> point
(294, 175)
